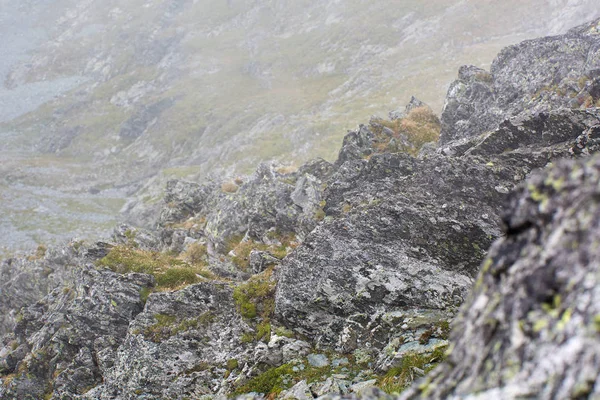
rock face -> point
(535, 76)
(66, 337)
(542, 340)
(409, 234)
(332, 278)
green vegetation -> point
(256, 297)
(255, 300)
(274, 380)
(170, 272)
(411, 367)
(409, 134)
(270, 382)
(168, 325)
(242, 249)
(281, 331)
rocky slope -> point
(338, 277)
(94, 92)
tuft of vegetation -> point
(484, 77)
(281, 331)
(40, 253)
(232, 364)
(196, 253)
(274, 380)
(255, 301)
(270, 382)
(287, 169)
(168, 325)
(196, 223)
(242, 249)
(256, 297)
(170, 272)
(411, 367)
(229, 187)
(409, 134)
(144, 293)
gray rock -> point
(56, 336)
(530, 327)
(536, 75)
(300, 391)
(261, 260)
(318, 360)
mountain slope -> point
(122, 92)
(341, 276)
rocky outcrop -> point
(531, 325)
(535, 76)
(333, 278)
(63, 341)
(409, 234)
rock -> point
(534, 76)
(180, 345)
(412, 104)
(530, 327)
(295, 349)
(318, 360)
(300, 391)
(261, 260)
(362, 387)
(56, 336)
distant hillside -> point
(99, 96)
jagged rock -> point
(530, 327)
(261, 260)
(300, 391)
(179, 345)
(387, 247)
(56, 336)
(394, 225)
(184, 199)
(536, 75)
(412, 104)
(136, 237)
(25, 280)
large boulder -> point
(536, 75)
(531, 327)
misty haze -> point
(341, 199)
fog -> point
(101, 102)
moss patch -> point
(170, 272)
(411, 367)
(169, 325)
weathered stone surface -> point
(531, 325)
(372, 256)
(56, 338)
(179, 346)
(536, 75)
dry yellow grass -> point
(229, 187)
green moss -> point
(144, 293)
(169, 325)
(256, 297)
(270, 382)
(170, 272)
(597, 323)
(263, 331)
(281, 331)
(247, 337)
(401, 376)
(177, 276)
(232, 364)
